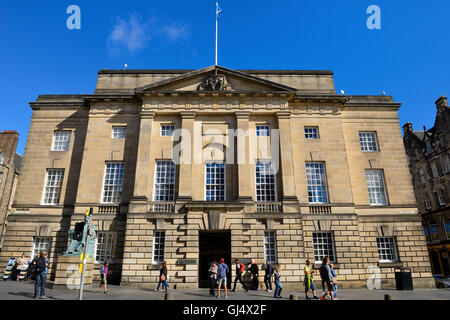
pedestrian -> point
(222, 271)
(212, 275)
(254, 270)
(103, 277)
(333, 272)
(20, 263)
(31, 275)
(163, 277)
(41, 276)
(268, 276)
(278, 285)
(327, 277)
(309, 281)
(239, 271)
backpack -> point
(242, 267)
(40, 265)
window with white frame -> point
(112, 186)
(376, 187)
(387, 249)
(368, 141)
(263, 130)
(427, 201)
(159, 240)
(317, 182)
(61, 140)
(422, 176)
(215, 181)
(440, 195)
(323, 244)
(265, 181)
(426, 231)
(119, 132)
(40, 244)
(434, 230)
(167, 130)
(429, 147)
(270, 247)
(434, 170)
(446, 164)
(164, 181)
(53, 186)
(104, 251)
(311, 133)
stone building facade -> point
(188, 166)
(9, 172)
(429, 161)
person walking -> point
(333, 273)
(309, 281)
(239, 271)
(254, 270)
(212, 276)
(103, 277)
(268, 276)
(41, 275)
(222, 271)
(278, 285)
(163, 277)
(327, 277)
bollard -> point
(387, 297)
(168, 296)
(293, 297)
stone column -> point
(187, 143)
(286, 161)
(243, 159)
(141, 185)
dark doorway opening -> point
(213, 246)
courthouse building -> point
(274, 166)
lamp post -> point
(86, 251)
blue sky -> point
(408, 58)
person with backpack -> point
(163, 277)
(334, 280)
(222, 272)
(309, 281)
(327, 277)
(41, 275)
(254, 270)
(268, 276)
(103, 277)
(240, 269)
(278, 285)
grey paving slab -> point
(10, 290)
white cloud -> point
(133, 35)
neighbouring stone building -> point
(9, 172)
(429, 161)
(274, 166)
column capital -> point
(147, 114)
(284, 114)
(188, 114)
(242, 115)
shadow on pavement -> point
(30, 295)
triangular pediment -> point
(215, 79)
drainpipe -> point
(9, 201)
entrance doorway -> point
(213, 246)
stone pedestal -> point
(68, 272)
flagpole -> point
(217, 28)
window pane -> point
(387, 251)
(53, 186)
(61, 140)
(263, 131)
(167, 130)
(323, 246)
(317, 184)
(159, 239)
(368, 141)
(112, 189)
(42, 243)
(311, 133)
(105, 247)
(119, 132)
(265, 181)
(164, 181)
(270, 248)
(215, 182)
(375, 185)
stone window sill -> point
(390, 264)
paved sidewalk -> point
(10, 290)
